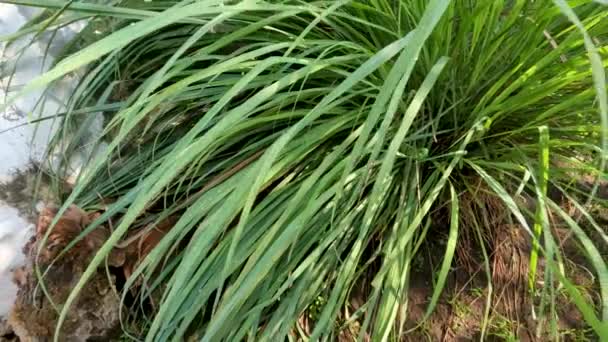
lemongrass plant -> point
(299, 141)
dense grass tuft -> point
(301, 142)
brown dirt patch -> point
(95, 314)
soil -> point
(94, 316)
(6, 332)
(459, 315)
(26, 188)
(460, 311)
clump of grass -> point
(304, 146)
